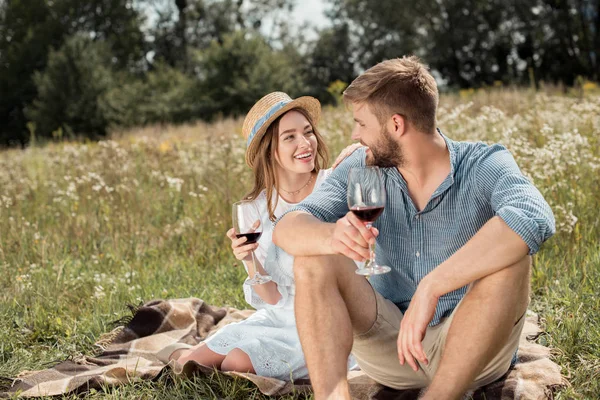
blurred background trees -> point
(78, 68)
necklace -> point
(299, 190)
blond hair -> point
(399, 86)
(265, 163)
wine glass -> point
(366, 200)
(247, 223)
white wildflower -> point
(175, 183)
(98, 292)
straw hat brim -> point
(306, 103)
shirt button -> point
(417, 216)
(418, 254)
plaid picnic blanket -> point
(128, 354)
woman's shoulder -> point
(261, 199)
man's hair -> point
(399, 86)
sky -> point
(312, 11)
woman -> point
(288, 156)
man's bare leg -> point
(480, 328)
(331, 303)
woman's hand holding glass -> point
(241, 250)
(247, 230)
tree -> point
(71, 90)
(241, 70)
(27, 30)
(115, 22)
(194, 24)
(570, 39)
(30, 29)
(476, 42)
(330, 60)
(163, 95)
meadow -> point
(87, 228)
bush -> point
(71, 89)
(235, 74)
(163, 95)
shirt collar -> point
(450, 178)
(394, 174)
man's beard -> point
(386, 153)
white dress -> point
(269, 336)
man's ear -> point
(398, 125)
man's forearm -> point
(495, 247)
(301, 234)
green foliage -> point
(185, 26)
(164, 95)
(330, 60)
(241, 70)
(476, 42)
(115, 22)
(71, 88)
(231, 76)
(336, 90)
(27, 30)
(30, 29)
(222, 58)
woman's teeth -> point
(302, 156)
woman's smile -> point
(304, 157)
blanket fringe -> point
(118, 325)
(127, 318)
(107, 339)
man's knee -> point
(510, 284)
(521, 268)
(316, 268)
(514, 276)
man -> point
(458, 230)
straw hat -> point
(267, 110)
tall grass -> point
(86, 228)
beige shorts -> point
(376, 351)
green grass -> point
(86, 229)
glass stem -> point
(371, 251)
(253, 266)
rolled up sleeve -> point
(514, 198)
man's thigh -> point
(376, 351)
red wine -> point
(252, 237)
(367, 214)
